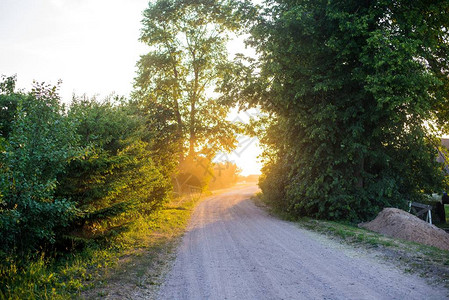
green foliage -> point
(160, 134)
(67, 276)
(8, 102)
(350, 86)
(78, 177)
(187, 41)
(74, 180)
(39, 142)
(115, 179)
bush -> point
(72, 178)
(115, 179)
(38, 140)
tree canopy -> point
(350, 86)
(184, 65)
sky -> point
(91, 45)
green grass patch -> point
(349, 233)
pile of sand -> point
(400, 224)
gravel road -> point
(235, 250)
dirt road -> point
(234, 250)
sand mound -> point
(400, 224)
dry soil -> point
(235, 250)
(397, 223)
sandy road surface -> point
(234, 250)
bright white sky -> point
(91, 45)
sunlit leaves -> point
(187, 47)
(352, 84)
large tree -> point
(187, 56)
(350, 85)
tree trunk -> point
(192, 129)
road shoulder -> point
(426, 261)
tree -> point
(350, 85)
(9, 100)
(187, 41)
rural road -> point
(235, 250)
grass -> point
(144, 266)
(350, 233)
(137, 258)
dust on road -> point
(235, 250)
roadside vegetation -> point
(138, 257)
(81, 184)
(353, 97)
(84, 185)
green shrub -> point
(38, 142)
(115, 179)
